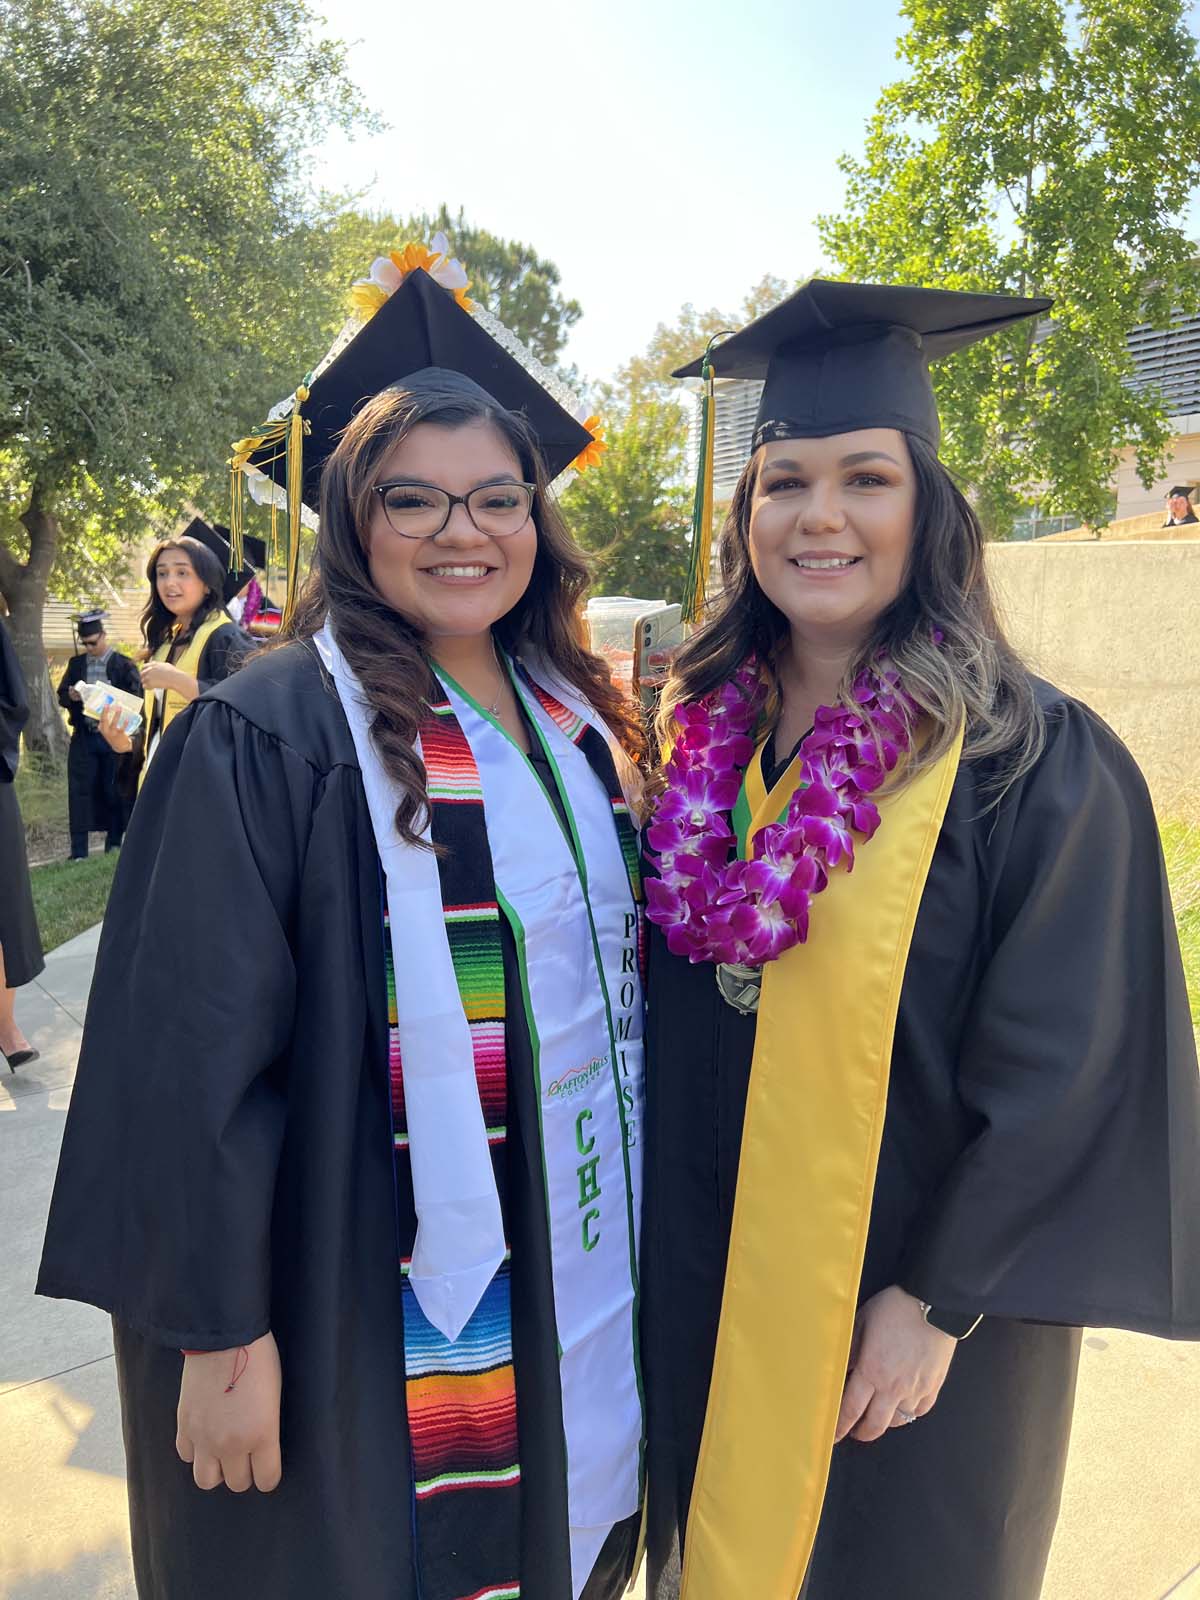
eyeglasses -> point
(421, 511)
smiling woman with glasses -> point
(378, 1170)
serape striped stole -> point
(461, 1396)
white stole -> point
(576, 932)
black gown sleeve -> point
(1077, 1199)
(162, 1206)
(223, 653)
(64, 687)
(14, 706)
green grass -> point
(1181, 846)
(41, 786)
(71, 897)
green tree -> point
(676, 343)
(1041, 148)
(632, 511)
(152, 176)
(515, 284)
(509, 279)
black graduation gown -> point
(227, 1165)
(94, 798)
(1038, 1166)
(225, 649)
(120, 671)
(19, 938)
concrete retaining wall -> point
(1117, 625)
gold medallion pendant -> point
(739, 986)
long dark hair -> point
(384, 649)
(157, 621)
(972, 676)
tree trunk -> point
(24, 588)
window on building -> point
(1168, 359)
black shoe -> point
(21, 1058)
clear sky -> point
(658, 151)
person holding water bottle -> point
(93, 784)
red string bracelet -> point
(240, 1362)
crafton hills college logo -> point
(576, 1079)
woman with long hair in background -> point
(191, 641)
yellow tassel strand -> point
(706, 509)
(285, 438)
(695, 593)
(295, 489)
(695, 588)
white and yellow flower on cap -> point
(389, 272)
(278, 465)
(592, 454)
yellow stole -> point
(814, 1117)
(188, 662)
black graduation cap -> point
(836, 357)
(216, 538)
(1179, 489)
(421, 331)
(89, 623)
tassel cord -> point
(695, 589)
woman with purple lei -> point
(922, 1089)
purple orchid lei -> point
(717, 908)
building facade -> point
(1164, 358)
(1167, 359)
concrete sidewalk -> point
(63, 1527)
(1130, 1527)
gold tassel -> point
(237, 515)
(287, 436)
(706, 512)
(695, 593)
(294, 475)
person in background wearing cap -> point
(908, 1129)
(21, 956)
(191, 641)
(244, 598)
(1179, 506)
(93, 780)
(410, 1238)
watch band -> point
(958, 1324)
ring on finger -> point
(905, 1417)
